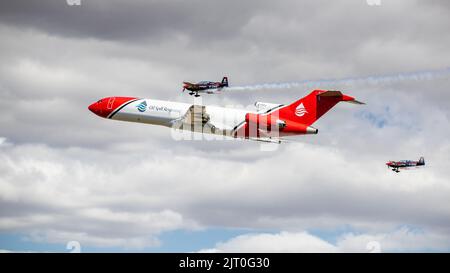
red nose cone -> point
(106, 106)
(93, 107)
(96, 108)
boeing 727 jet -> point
(269, 122)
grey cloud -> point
(131, 20)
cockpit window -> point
(99, 101)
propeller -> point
(185, 85)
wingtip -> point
(359, 102)
(356, 102)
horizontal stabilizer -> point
(339, 94)
(355, 102)
(330, 94)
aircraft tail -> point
(310, 108)
(225, 81)
(421, 161)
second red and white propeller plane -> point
(268, 123)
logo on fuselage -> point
(142, 106)
(300, 111)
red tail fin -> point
(310, 108)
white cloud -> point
(63, 194)
(86, 239)
(57, 198)
(402, 239)
(281, 242)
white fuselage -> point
(167, 113)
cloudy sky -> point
(68, 175)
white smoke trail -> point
(367, 80)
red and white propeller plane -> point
(405, 164)
(268, 123)
(205, 87)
